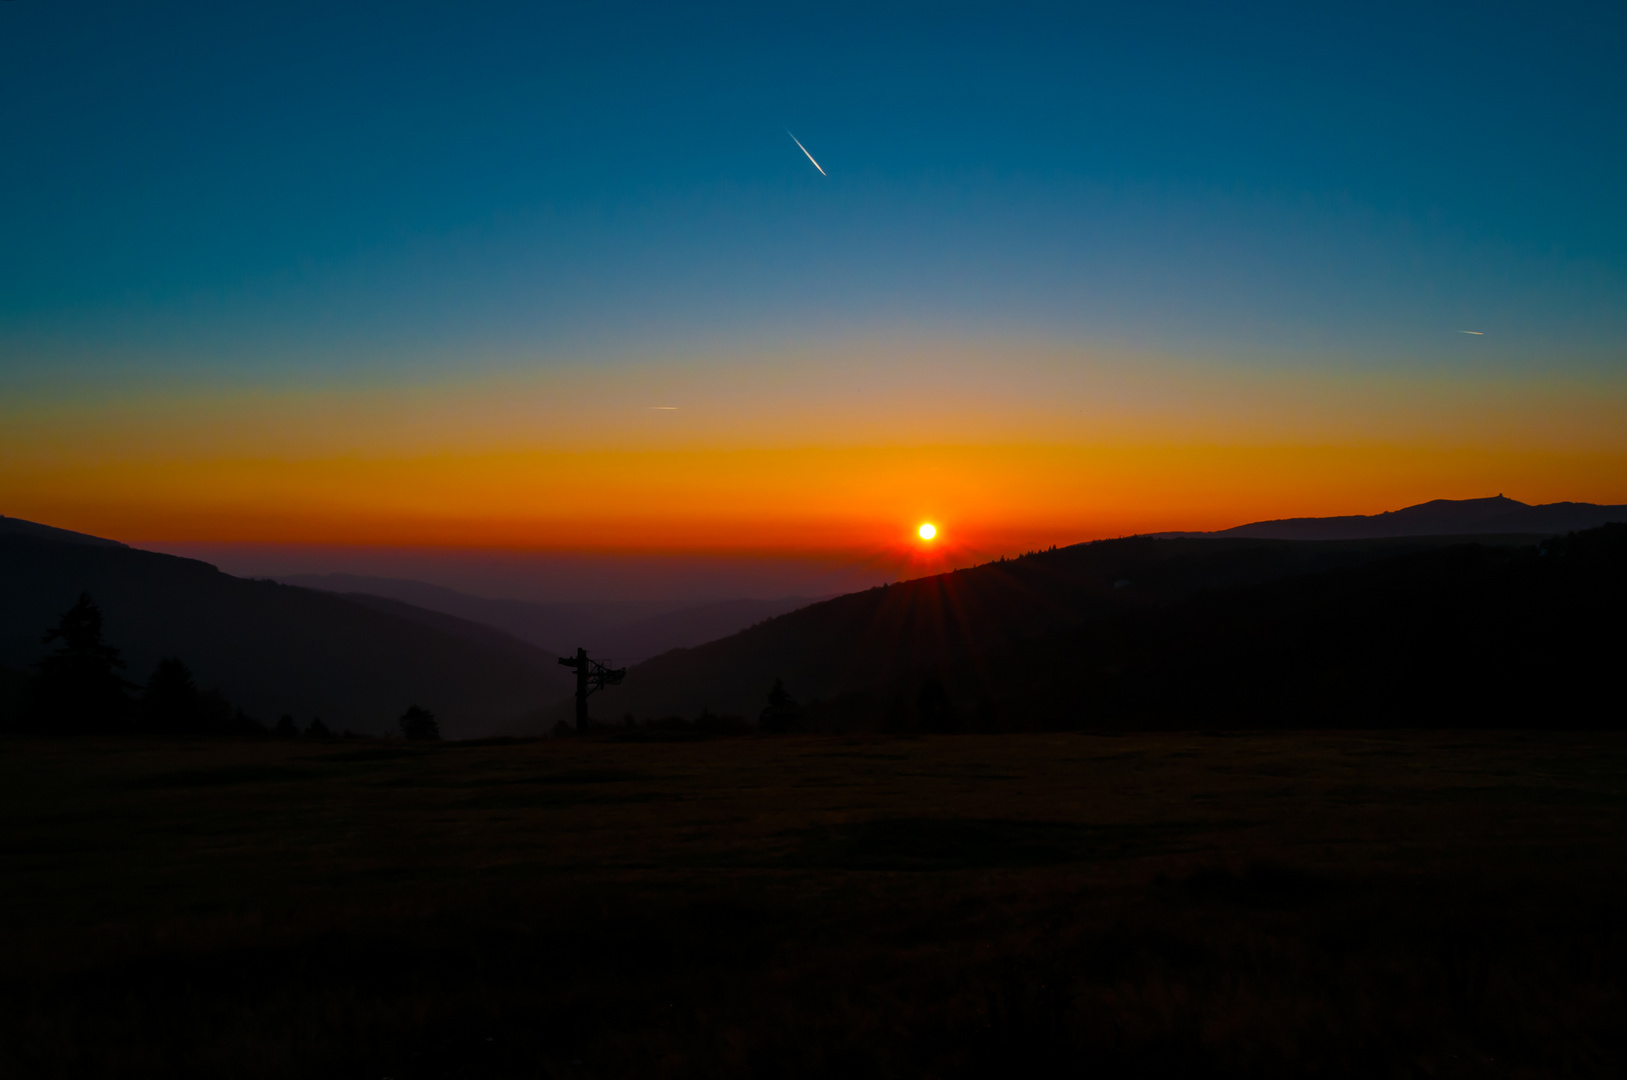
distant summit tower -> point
(591, 675)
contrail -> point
(1476, 333)
(804, 149)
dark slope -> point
(13, 687)
(690, 626)
(879, 644)
(476, 633)
(273, 648)
(628, 631)
(1465, 635)
(1440, 517)
(10, 526)
(555, 627)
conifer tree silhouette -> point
(77, 689)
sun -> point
(928, 531)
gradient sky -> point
(550, 277)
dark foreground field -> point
(1397, 904)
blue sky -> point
(291, 191)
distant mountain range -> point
(1199, 630)
(1441, 517)
(272, 648)
(626, 631)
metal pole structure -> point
(591, 675)
(582, 667)
(581, 690)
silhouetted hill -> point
(874, 649)
(557, 627)
(476, 633)
(274, 648)
(1462, 635)
(1440, 517)
(10, 526)
(628, 631)
(690, 626)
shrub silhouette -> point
(286, 728)
(419, 723)
(932, 708)
(171, 704)
(781, 713)
(319, 730)
(170, 701)
(241, 722)
(77, 689)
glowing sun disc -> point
(928, 531)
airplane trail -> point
(1476, 333)
(804, 149)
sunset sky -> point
(318, 279)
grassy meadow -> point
(1282, 904)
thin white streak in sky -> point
(1476, 333)
(804, 149)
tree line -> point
(79, 689)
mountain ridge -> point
(629, 631)
(10, 526)
(358, 659)
(1498, 515)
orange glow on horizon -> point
(819, 453)
(1003, 499)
